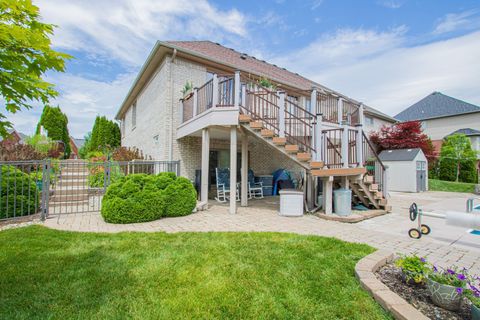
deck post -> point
(236, 89)
(233, 169)
(345, 144)
(244, 96)
(327, 195)
(205, 165)
(385, 183)
(361, 118)
(313, 101)
(318, 137)
(244, 170)
(340, 110)
(281, 114)
(359, 145)
(195, 101)
(214, 90)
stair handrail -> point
(381, 181)
(264, 106)
(299, 125)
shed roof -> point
(399, 154)
(436, 105)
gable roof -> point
(20, 135)
(219, 54)
(436, 105)
(399, 154)
(466, 131)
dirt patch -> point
(418, 296)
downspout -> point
(172, 96)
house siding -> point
(438, 128)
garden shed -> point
(407, 169)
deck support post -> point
(317, 137)
(233, 169)
(327, 194)
(244, 96)
(244, 170)
(215, 101)
(361, 118)
(205, 165)
(359, 145)
(236, 89)
(340, 110)
(195, 101)
(281, 114)
(345, 145)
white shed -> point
(407, 169)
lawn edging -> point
(365, 272)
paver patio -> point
(262, 216)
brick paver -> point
(264, 218)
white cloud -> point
(394, 78)
(457, 21)
(127, 30)
(391, 4)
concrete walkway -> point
(263, 217)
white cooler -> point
(291, 203)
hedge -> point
(142, 197)
(19, 194)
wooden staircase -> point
(364, 190)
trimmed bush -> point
(142, 197)
(19, 193)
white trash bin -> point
(291, 203)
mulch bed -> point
(418, 296)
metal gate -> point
(32, 189)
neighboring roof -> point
(466, 131)
(20, 135)
(78, 142)
(219, 54)
(436, 105)
(399, 154)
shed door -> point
(421, 176)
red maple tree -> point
(404, 135)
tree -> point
(25, 56)
(458, 159)
(105, 135)
(55, 122)
(405, 135)
(82, 152)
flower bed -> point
(438, 293)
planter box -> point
(475, 312)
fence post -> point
(359, 145)
(340, 110)
(281, 114)
(237, 85)
(195, 101)
(318, 137)
(45, 189)
(345, 144)
(214, 90)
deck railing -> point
(299, 126)
(205, 96)
(332, 146)
(262, 104)
(226, 87)
(327, 105)
(187, 108)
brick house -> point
(14, 137)
(247, 113)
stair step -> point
(291, 148)
(267, 133)
(367, 179)
(279, 141)
(256, 125)
(382, 202)
(317, 164)
(373, 187)
(340, 172)
(244, 118)
(304, 156)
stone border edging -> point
(365, 272)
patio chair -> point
(223, 185)
(255, 189)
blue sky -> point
(386, 53)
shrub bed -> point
(19, 194)
(142, 197)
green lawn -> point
(440, 185)
(63, 275)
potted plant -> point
(187, 89)
(414, 269)
(446, 287)
(473, 294)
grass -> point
(63, 275)
(440, 185)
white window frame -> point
(369, 121)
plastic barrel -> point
(342, 201)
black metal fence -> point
(30, 189)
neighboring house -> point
(75, 145)
(13, 137)
(442, 116)
(201, 128)
(407, 169)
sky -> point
(386, 53)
